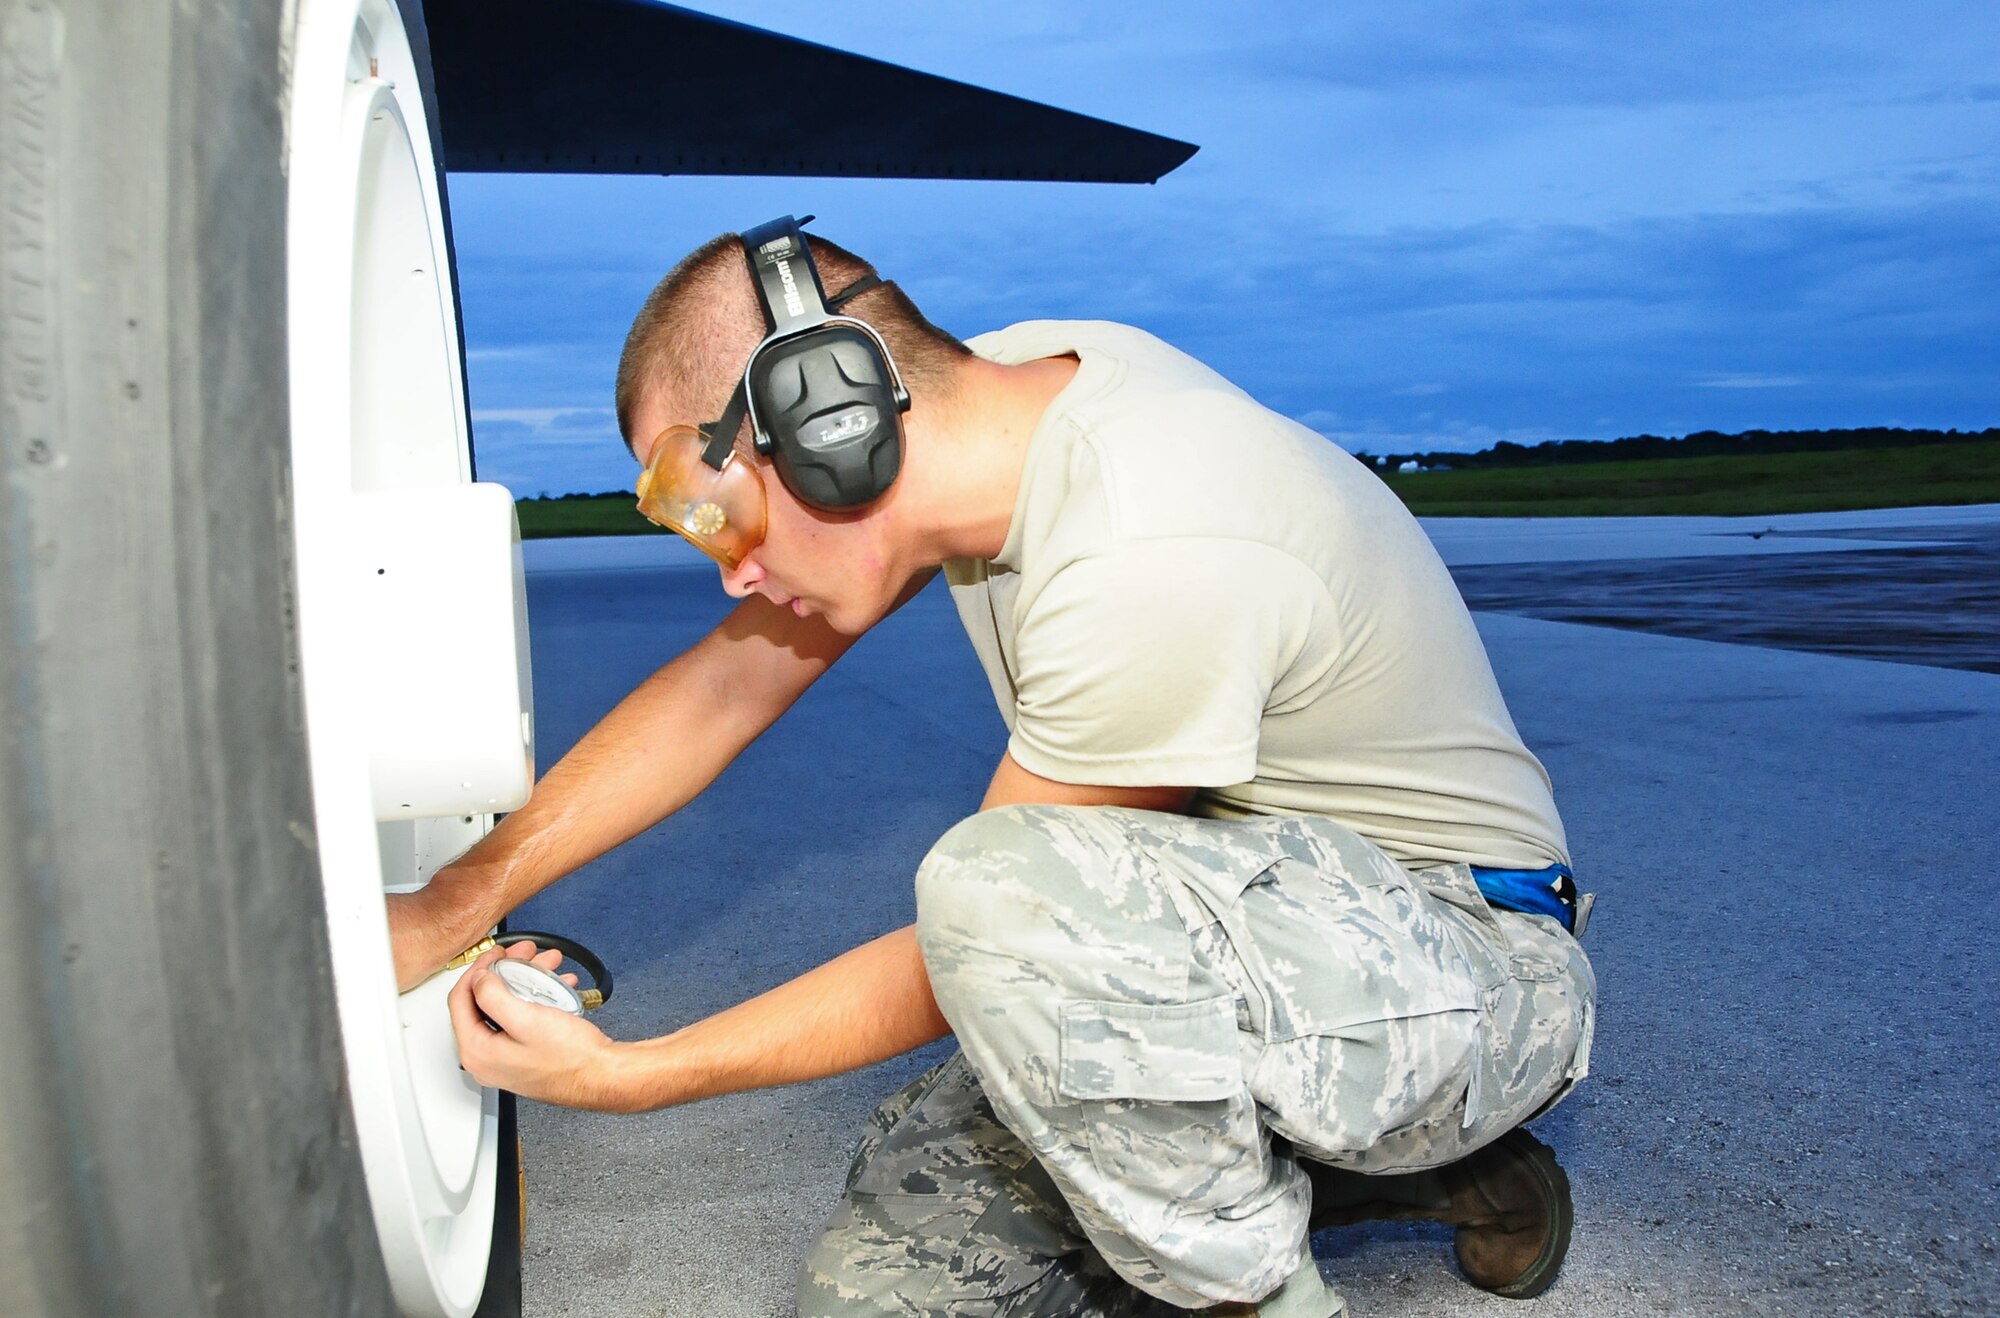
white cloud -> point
(559, 417)
(1448, 436)
(1750, 382)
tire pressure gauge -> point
(534, 984)
(531, 983)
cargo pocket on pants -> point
(1163, 1107)
(1365, 1011)
(1537, 1018)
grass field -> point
(583, 514)
(1739, 485)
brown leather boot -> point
(1510, 1202)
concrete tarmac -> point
(1790, 1110)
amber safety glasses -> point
(720, 511)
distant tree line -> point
(1555, 452)
(1703, 443)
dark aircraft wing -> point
(634, 87)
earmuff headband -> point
(786, 276)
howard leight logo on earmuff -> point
(848, 423)
(779, 252)
(793, 302)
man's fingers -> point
(494, 998)
(469, 1028)
(535, 1051)
(547, 959)
(460, 997)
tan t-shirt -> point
(1198, 592)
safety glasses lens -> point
(721, 512)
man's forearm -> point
(648, 757)
(611, 786)
(866, 1005)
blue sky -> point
(1410, 226)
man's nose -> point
(744, 578)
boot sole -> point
(1554, 1181)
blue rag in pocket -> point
(1550, 891)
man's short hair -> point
(691, 339)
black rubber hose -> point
(569, 947)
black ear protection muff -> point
(825, 398)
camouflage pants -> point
(1144, 1001)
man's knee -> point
(1036, 904)
(981, 890)
(1012, 843)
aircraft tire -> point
(502, 1296)
(175, 1135)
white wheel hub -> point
(413, 634)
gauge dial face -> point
(531, 983)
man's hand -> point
(432, 925)
(537, 1052)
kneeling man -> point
(1266, 920)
